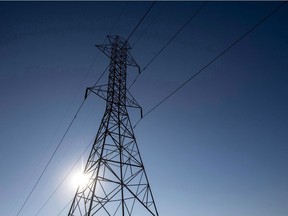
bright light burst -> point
(80, 179)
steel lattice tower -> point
(118, 184)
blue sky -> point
(216, 147)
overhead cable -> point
(170, 40)
(213, 60)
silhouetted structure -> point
(118, 184)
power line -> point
(171, 39)
(188, 80)
(144, 29)
(65, 207)
(213, 60)
(65, 177)
(140, 21)
(50, 159)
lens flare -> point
(80, 180)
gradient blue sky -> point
(218, 147)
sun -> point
(79, 179)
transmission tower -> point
(118, 184)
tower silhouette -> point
(118, 184)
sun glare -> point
(80, 180)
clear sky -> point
(218, 147)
